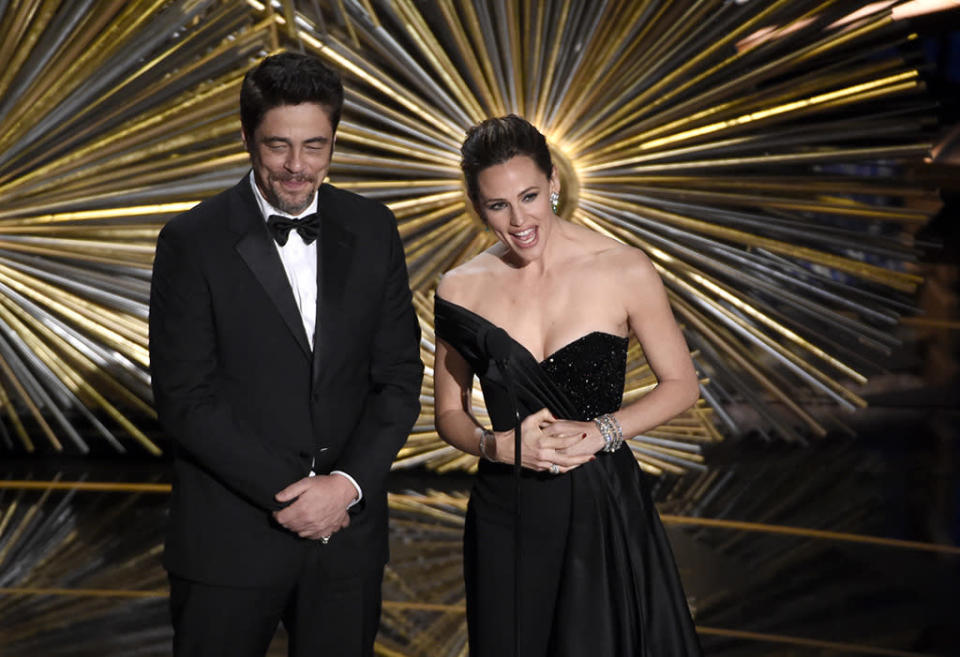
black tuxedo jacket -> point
(249, 406)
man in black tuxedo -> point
(285, 359)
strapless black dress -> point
(597, 574)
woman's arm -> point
(651, 320)
(452, 384)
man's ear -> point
(243, 136)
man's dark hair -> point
(289, 79)
(495, 141)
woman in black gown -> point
(597, 575)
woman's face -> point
(513, 198)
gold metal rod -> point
(896, 280)
(785, 108)
(31, 406)
(111, 38)
(844, 207)
(515, 56)
(736, 353)
(14, 27)
(100, 214)
(130, 345)
(476, 32)
(932, 322)
(91, 24)
(461, 608)
(819, 534)
(616, 120)
(914, 151)
(21, 48)
(84, 486)
(124, 324)
(7, 404)
(10, 511)
(693, 110)
(651, 98)
(137, 169)
(81, 362)
(551, 59)
(438, 58)
(391, 143)
(406, 119)
(105, 109)
(24, 523)
(182, 113)
(651, 151)
(635, 50)
(378, 79)
(84, 593)
(92, 255)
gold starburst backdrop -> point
(758, 152)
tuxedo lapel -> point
(335, 250)
(256, 248)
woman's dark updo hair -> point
(495, 141)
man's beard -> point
(292, 206)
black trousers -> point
(324, 616)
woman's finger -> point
(560, 442)
(542, 416)
(565, 460)
(558, 430)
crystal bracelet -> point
(610, 429)
(485, 435)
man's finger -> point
(286, 518)
(294, 490)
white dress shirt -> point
(300, 263)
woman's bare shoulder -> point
(610, 253)
(460, 283)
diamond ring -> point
(554, 469)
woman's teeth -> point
(526, 236)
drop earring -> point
(555, 202)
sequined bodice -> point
(590, 371)
(579, 381)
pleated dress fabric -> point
(598, 578)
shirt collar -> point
(266, 209)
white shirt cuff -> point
(352, 481)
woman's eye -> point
(529, 197)
(495, 206)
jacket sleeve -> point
(396, 371)
(185, 378)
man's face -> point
(290, 152)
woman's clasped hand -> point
(547, 442)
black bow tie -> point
(308, 226)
